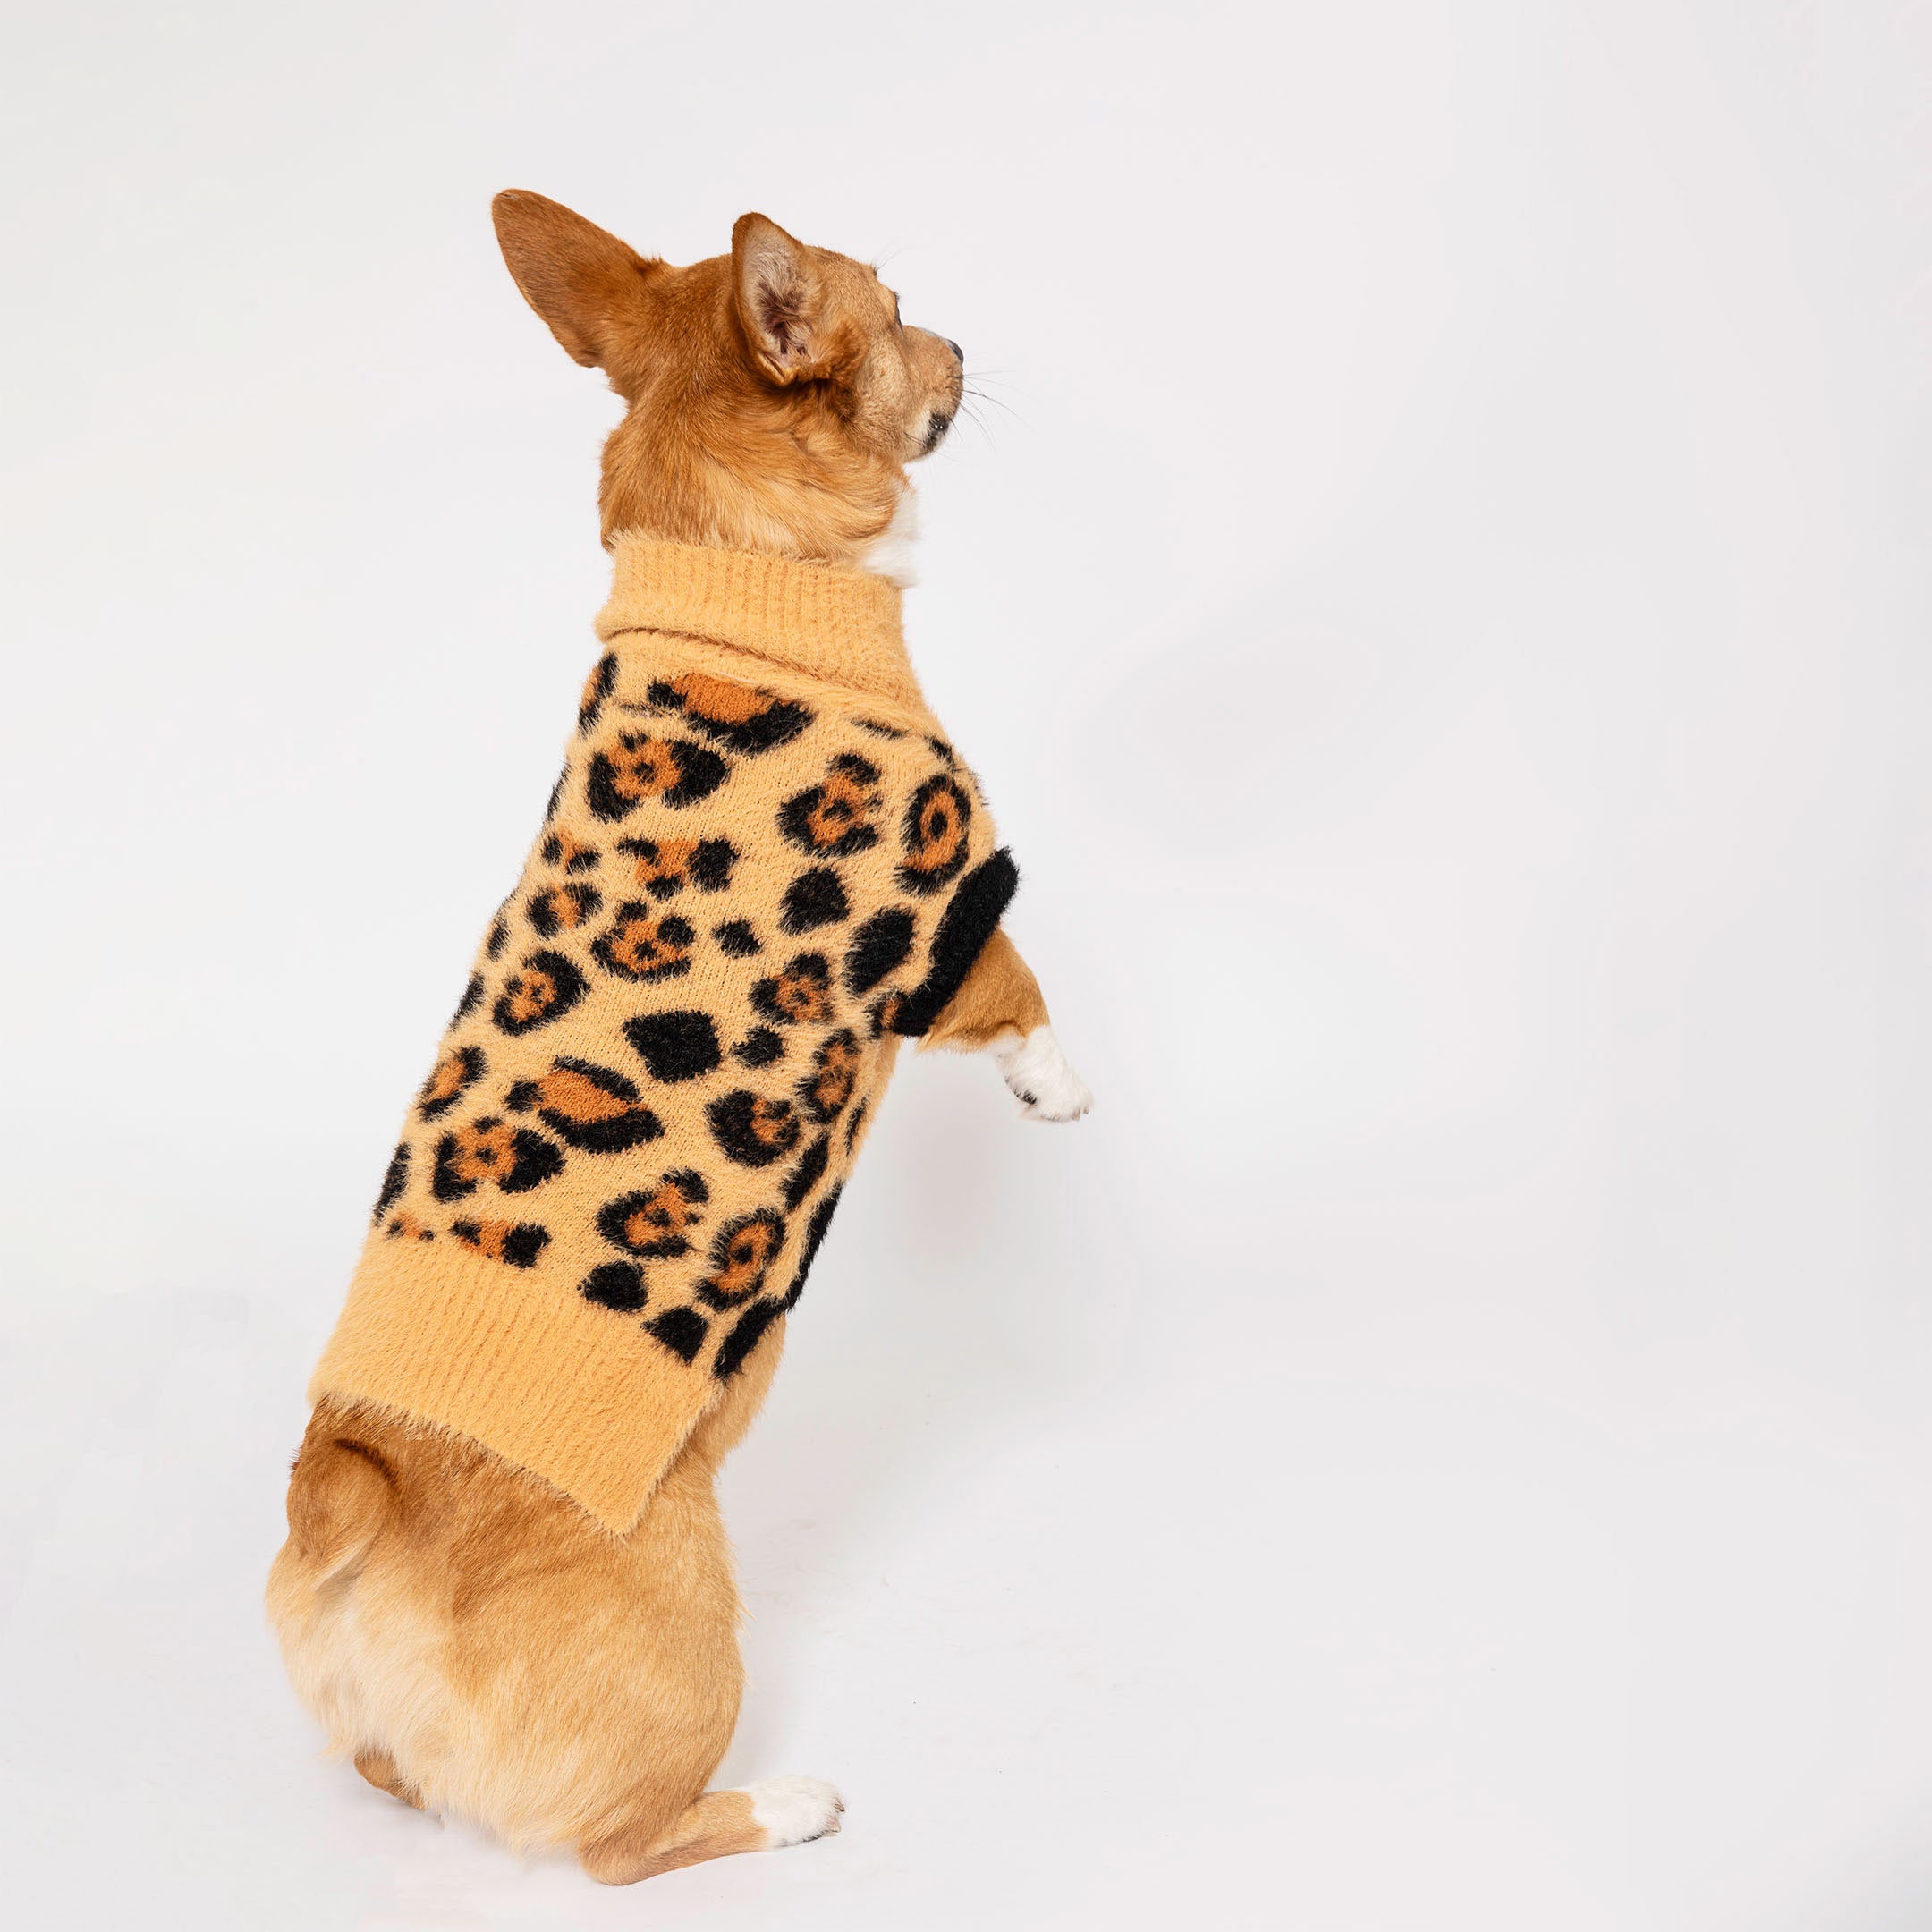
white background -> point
(1439, 604)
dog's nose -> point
(959, 354)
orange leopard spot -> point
(662, 1214)
(517, 1244)
(447, 1079)
(482, 1153)
(655, 1221)
(563, 908)
(530, 994)
(665, 860)
(640, 945)
(937, 832)
(843, 805)
(835, 1072)
(565, 1091)
(565, 849)
(740, 1258)
(643, 767)
(721, 702)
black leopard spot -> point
(635, 766)
(597, 687)
(839, 816)
(736, 938)
(450, 1078)
(665, 866)
(681, 1330)
(395, 1178)
(935, 834)
(656, 1221)
(587, 1106)
(472, 995)
(543, 988)
(813, 899)
(834, 1073)
(853, 1125)
(561, 907)
(513, 1158)
(640, 945)
(614, 1284)
(878, 946)
(499, 932)
(747, 1332)
(815, 1233)
(809, 1173)
(740, 1258)
(676, 1046)
(753, 1129)
(516, 1243)
(759, 1048)
(735, 715)
(879, 730)
(943, 751)
(799, 995)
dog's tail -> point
(342, 1494)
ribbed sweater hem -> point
(463, 1342)
(838, 625)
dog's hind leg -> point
(761, 1818)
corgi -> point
(470, 1636)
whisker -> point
(977, 378)
(998, 403)
(976, 420)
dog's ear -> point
(779, 298)
(586, 284)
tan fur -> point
(379, 1769)
(471, 1638)
(710, 1826)
(494, 1654)
(776, 399)
(1000, 999)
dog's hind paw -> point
(793, 1809)
(1042, 1079)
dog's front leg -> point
(998, 1010)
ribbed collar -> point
(839, 625)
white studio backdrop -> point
(1436, 595)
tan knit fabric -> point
(762, 867)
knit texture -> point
(761, 867)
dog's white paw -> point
(793, 1809)
(1042, 1077)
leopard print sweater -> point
(762, 867)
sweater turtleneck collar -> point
(839, 625)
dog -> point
(478, 1639)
